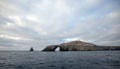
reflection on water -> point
(60, 60)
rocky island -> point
(80, 46)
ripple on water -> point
(61, 60)
(41, 63)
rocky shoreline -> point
(79, 46)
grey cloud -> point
(51, 22)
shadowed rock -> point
(50, 48)
(31, 49)
(79, 46)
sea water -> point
(60, 60)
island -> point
(80, 46)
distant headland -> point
(80, 46)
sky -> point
(38, 23)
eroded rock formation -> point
(71, 46)
(51, 48)
(79, 46)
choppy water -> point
(60, 60)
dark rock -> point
(31, 49)
(80, 46)
(50, 48)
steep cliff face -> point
(76, 46)
(80, 46)
(71, 46)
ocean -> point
(60, 60)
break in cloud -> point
(37, 23)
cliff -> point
(80, 46)
(76, 46)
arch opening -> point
(57, 49)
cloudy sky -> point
(37, 23)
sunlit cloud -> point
(31, 18)
(72, 39)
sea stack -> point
(31, 49)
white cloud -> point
(94, 21)
(32, 18)
(17, 20)
(72, 39)
(12, 37)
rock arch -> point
(51, 48)
(57, 49)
